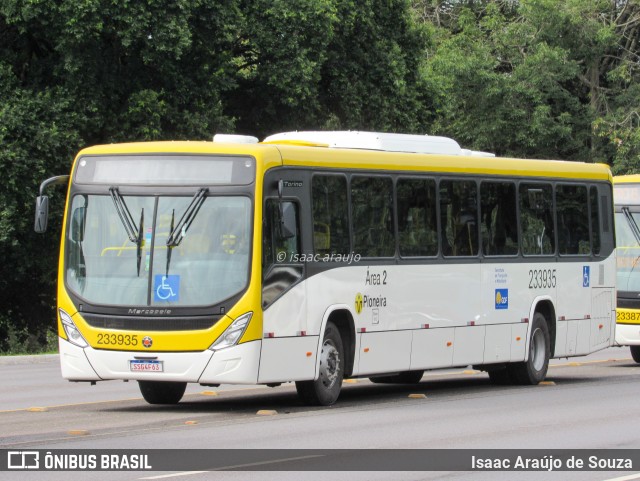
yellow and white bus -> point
(627, 220)
(317, 256)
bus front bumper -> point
(234, 365)
(628, 334)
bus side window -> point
(595, 220)
(499, 218)
(459, 217)
(536, 219)
(330, 214)
(279, 249)
(417, 220)
(372, 207)
(573, 220)
(281, 266)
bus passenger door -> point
(284, 345)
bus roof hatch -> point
(426, 144)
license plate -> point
(146, 366)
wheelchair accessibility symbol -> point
(166, 288)
(585, 276)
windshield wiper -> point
(133, 232)
(178, 231)
(632, 223)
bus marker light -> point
(301, 333)
(425, 326)
(562, 318)
(78, 432)
(269, 335)
(417, 396)
(309, 353)
(600, 326)
(471, 323)
(547, 383)
(587, 316)
(525, 320)
(518, 338)
(362, 329)
(190, 423)
(209, 393)
(449, 343)
(366, 349)
(38, 410)
(266, 412)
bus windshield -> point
(116, 259)
(628, 250)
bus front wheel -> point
(635, 353)
(534, 369)
(162, 392)
(325, 390)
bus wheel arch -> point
(324, 390)
(546, 308)
(534, 368)
(343, 320)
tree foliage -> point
(534, 78)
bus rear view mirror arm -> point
(42, 202)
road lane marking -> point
(175, 475)
(624, 478)
(236, 466)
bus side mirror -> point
(42, 202)
(42, 214)
(288, 221)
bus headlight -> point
(233, 333)
(73, 334)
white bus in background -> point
(627, 219)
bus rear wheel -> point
(534, 369)
(325, 390)
(635, 353)
(162, 392)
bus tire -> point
(325, 390)
(534, 369)
(635, 353)
(406, 377)
(162, 392)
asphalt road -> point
(586, 403)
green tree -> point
(538, 78)
(83, 72)
(75, 73)
(499, 87)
